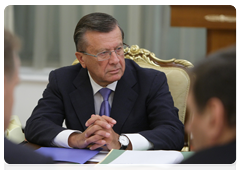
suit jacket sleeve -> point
(47, 117)
(166, 130)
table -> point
(84, 166)
(76, 167)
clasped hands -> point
(98, 134)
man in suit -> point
(14, 154)
(142, 113)
(212, 103)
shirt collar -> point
(96, 87)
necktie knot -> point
(105, 92)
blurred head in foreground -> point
(11, 67)
(212, 100)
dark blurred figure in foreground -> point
(15, 154)
(212, 104)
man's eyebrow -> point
(105, 49)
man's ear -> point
(215, 118)
(80, 58)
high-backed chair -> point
(177, 77)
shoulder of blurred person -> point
(221, 154)
(212, 105)
(18, 154)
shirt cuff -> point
(139, 142)
(61, 140)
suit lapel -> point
(123, 102)
(82, 97)
(124, 99)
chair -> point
(14, 131)
(177, 77)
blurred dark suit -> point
(17, 154)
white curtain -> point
(47, 32)
(8, 18)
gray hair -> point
(100, 22)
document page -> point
(149, 157)
(99, 157)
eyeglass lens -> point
(107, 54)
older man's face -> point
(107, 71)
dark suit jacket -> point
(142, 104)
(224, 154)
(17, 154)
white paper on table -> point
(99, 157)
(149, 157)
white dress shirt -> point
(138, 141)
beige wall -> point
(27, 94)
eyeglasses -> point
(105, 55)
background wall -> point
(47, 31)
(27, 94)
(29, 91)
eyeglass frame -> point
(110, 52)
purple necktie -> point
(105, 107)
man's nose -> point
(114, 58)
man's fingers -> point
(102, 133)
(91, 130)
(96, 129)
(92, 120)
(94, 139)
(103, 124)
(103, 118)
(98, 145)
(109, 119)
